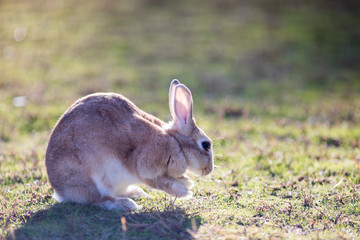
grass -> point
(275, 84)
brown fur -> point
(106, 126)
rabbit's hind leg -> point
(117, 203)
(81, 193)
(89, 194)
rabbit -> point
(104, 144)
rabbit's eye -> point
(206, 145)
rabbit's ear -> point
(171, 96)
(183, 105)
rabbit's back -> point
(109, 109)
(93, 120)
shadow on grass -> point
(74, 221)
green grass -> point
(275, 85)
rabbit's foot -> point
(179, 189)
(173, 186)
(186, 181)
(135, 192)
(118, 203)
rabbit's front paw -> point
(179, 189)
(186, 181)
(135, 192)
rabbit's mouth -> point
(206, 171)
(201, 171)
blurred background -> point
(246, 57)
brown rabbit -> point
(103, 145)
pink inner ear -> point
(182, 111)
(182, 104)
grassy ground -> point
(275, 84)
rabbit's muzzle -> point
(206, 171)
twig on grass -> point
(322, 213)
(337, 217)
(338, 184)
